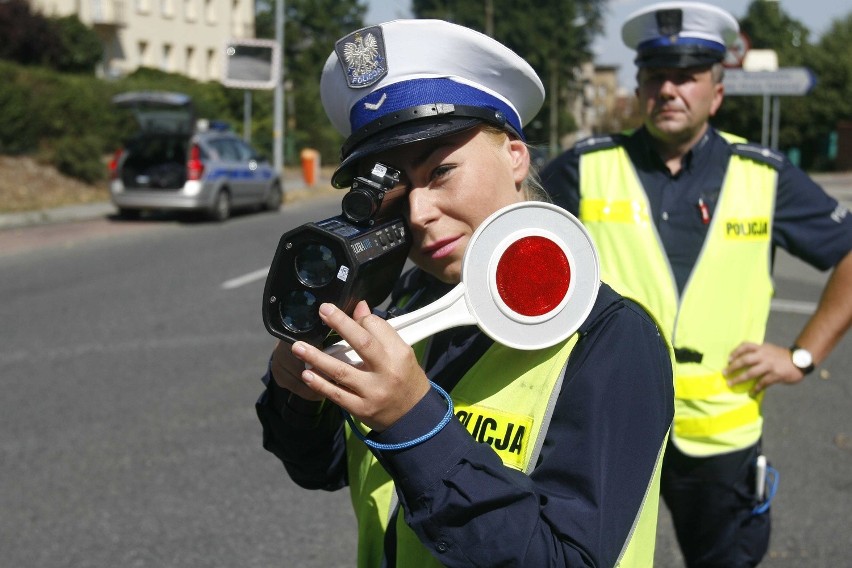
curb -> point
(294, 190)
(58, 214)
(838, 185)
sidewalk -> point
(294, 189)
(837, 184)
(59, 214)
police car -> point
(177, 163)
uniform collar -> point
(698, 150)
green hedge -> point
(68, 119)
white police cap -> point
(409, 80)
(679, 34)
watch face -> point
(802, 358)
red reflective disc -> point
(533, 276)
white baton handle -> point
(447, 311)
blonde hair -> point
(531, 186)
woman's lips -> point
(441, 248)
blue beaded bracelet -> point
(410, 443)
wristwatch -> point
(802, 359)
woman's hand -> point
(379, 391)
(287, 371)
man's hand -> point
(767, 364)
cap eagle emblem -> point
(363, 58)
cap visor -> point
(678, 57)
(400, 135)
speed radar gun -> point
(530, 276)
(357, 255)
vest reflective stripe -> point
(639, 548)
(699, 387)
(614, 211)
(726, 300)
(708, 426)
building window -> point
(212, 70)
(143, 54)
(167, 8)
(191, 67)
(142, 6)
(189, 10)
(166, 62)
(235, 18)
(209, 12)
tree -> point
(769, 27)
(831, 100)
(310, 30)
(806, 122)
(81, 49)
(554, 36)
(28, 37)
(64, 44)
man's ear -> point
(718, 96)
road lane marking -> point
(245, 279)
(793, 306)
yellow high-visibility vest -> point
(502, 400)
(725, 301)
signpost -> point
(252, 64)
(786, 81)
(790, 81)
(737, 51)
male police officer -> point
(719, 207)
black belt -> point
(686, 355)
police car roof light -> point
(220, 126)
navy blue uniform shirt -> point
(808, 223)
(577, 506)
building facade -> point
(177, 36)
(598, 103)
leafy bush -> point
(79, 157)
(21, 125)
(81, 49)
(69, 119)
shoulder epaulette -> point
(758, 153)
(595, 143)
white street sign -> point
(785, 81)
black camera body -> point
(355, 256)
(371, 199)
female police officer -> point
(445, 105)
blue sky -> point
(816, 15)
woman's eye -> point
(441, 171)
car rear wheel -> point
(221, 207)
(128, 214)
(273, 198)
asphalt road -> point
(130, 358)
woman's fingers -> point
(384, 387)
